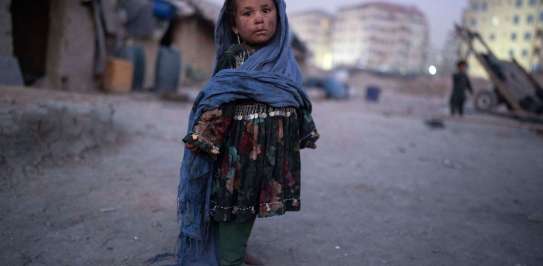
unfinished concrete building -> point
(53, 41)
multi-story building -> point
(314, 29)
(539, 49)
(381, 36)
(509, 27)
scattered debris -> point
(175, 97)
(435, 123)
(449, 164)
(108, 209)
(156, 224)
(536, 218)
(160, 257)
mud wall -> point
(71, 46)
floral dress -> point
(257, 148)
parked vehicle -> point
(513, 86)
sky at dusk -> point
(442, 14)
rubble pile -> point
(48, 130)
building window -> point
(530, 19)
(525, 53)
(528, 36)
(492, 37)
(516, 19)
(473, 22)
(533, 2)
(512, 53)
(513, 36)
(519, 3)
(484, 6)
(474, 6)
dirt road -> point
(382, 189)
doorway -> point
(30, 22)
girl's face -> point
(255, 21)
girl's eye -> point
(246, 14)
(266, 11)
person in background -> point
(461, 84)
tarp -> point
(140, 20)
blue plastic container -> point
(373, 93)
(163, 10)
(168, 69)
(335, 89)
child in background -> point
(461, 84)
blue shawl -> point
(270, 75)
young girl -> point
(246, 129)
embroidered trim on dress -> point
(256, 111)
(235, 209)
(252, 209)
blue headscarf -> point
(270, 75)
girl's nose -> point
(259, 18)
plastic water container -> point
(168, 69)
(335, 89)
(163, 9)
(136, 55)
(373, 93)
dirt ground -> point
(383, 188)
